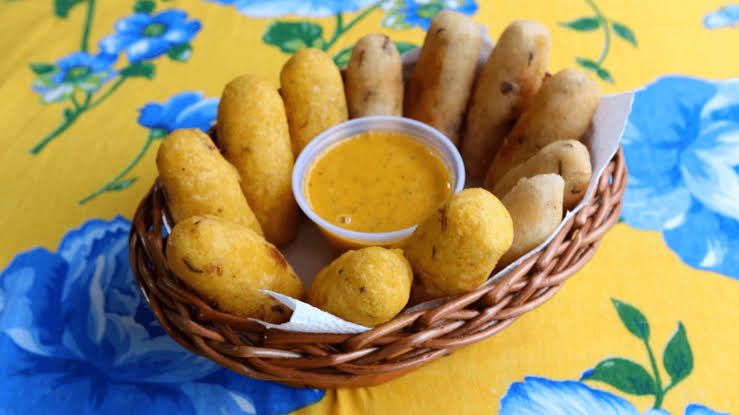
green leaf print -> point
(123, 184)
(290, 37)
(594, 67)
(630, 377)
(582, 24)
(142, 69)
(587, 63)
(678, 358)
(144, 6)
(608, 28)
(604, 75)
(62, 7)
(180, 53)
(43, 68)
(624, 375)
(341, 59)
(623, 31)
(633, 319)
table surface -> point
(91, 86)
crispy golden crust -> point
(253, 133)
(442, 79)
(567, 158)
(311, 86)
(455, 249)
(511, 76)
(199, 181)
(228, 264)
(561, 110)
(535, 204)
(374, 78)
(368, 286)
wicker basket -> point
(410, 340)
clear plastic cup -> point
(428, 136)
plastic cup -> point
(428, 136)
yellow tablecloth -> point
(69, 332)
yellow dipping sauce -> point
(377, 181)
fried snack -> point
(374, 78)
(227, 264)
(442, 79)
(456, 248)
(561, 110)
(368, 286)
(535, 204)
(197, 180)
(314, 96)
(254, 136)
(568, 158)
(511, 76)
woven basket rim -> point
(410, 340)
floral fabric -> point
(90, 87)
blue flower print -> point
(543, 396)
(695, 409)
(78, 71)
(304, 8)
(726, 16)
(682, 149)
(540, 396)
(184, 110)
(144, 36)
(76, 338)
(403, 14)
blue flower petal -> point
(664, 119)
(170, 17)
(267, 397)
(695, 409)
(651, 206)
(56, 386)
(706, 240)
(724, 17)
(200, 115)
(39, 385)
(183, 33)
(30, 304)
(150, 115)
(72, 60)
(76, 337)
(412, 20)
(166, 116)
(129, 35)
(101, 290)
(682, 150)
(113, 44)
(133, 24)
(469, 7)
(539, 396)
(305, 8)
(103, 62)
(710, 168)
(411, 13)
(58, 87)
(724, 105)
(147, 48)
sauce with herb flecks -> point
(377, 181)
